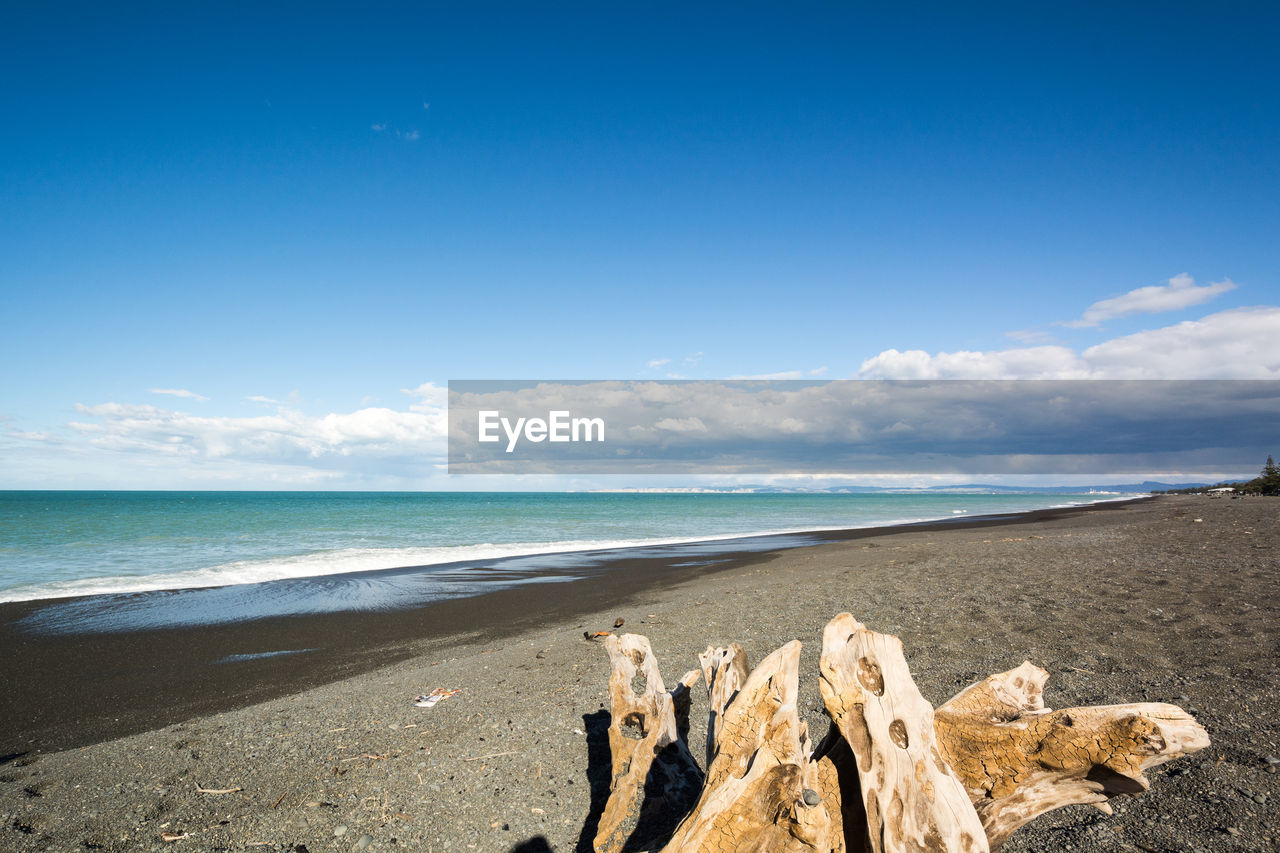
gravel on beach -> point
(1170, 600)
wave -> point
(345, 561)
(355, 560)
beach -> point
(128, 739)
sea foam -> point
(349, 561)
(67, 545)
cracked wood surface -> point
(891, 774)
(725, 669)
(1018, 759)
(762, 789)
(913, 801)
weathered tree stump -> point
(891, 774)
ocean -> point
(65, 544)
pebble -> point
(365, 841)
(1231, 830)
(340, 831)
(811, 797)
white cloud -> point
(1180, 292)
(1047, 362)
(411, 135)
(781, 374)
(1031, 336)
(655, 363)
(785, 374)
(377, 127)
(179, 392)
(693, 359)
(1242, 343)
(431, 397)
(1028, 428)
(293, 398)
(288, 437)
(681, 425)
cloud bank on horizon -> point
(854, 427)
(385, 447)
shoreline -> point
(153, 677)
(1169, 600)
(201, 578)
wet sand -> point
(1120, 603)
(69, 689)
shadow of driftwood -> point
(538, 844)
(853, 817)
(599, 775)
(666, 802)
(660, 811)
(667, 796)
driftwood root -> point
(1018, 759)
(892, 774)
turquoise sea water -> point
(60, 544)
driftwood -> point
(725, 670)
(913, 801)
(1019, 759)
(892, 774)
(762, 786)
(644, 738)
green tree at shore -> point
(1268, 481)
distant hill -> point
(965, 488)
(991, 488)
(1146, 486)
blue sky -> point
(301, 213)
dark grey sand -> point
(1168, 600)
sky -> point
(829, 430)
(234, 228)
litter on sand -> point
(429, 700)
